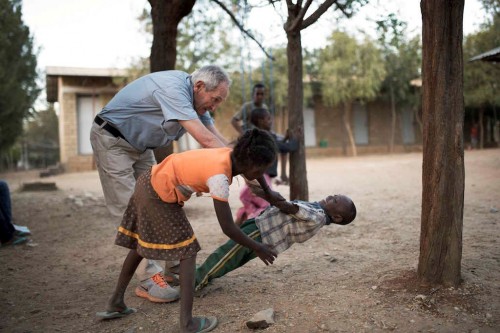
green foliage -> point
(491, 7)
(18, 88)
(481, 82)
(402, 57)
(350, 69)
(312, 84)
(42, 138)
(194, 49)
(43, 128)
(280, 78)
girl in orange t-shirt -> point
(155, 226)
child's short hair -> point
(349, 215)
(257, 86)
(255, 146)
(257, 114)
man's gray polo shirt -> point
(146, 111)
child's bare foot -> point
(115, 314)
(201, 324)
(116, 305)
(116, 309)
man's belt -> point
(113, 131)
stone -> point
(262, 319)
(39, 186)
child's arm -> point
(264, 191)
(287, 207)
(225, 217)
(289, 143)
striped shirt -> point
(281, 230)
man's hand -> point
(266, 253)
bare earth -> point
(356, 278)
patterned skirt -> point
(156, 229)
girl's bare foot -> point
(201, 324)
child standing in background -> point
(253, 205)
(155, 226)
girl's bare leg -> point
(116, 302)
(187, 278)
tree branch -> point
(343, 10)
(242, 29)
(298, 20)
(320, 11)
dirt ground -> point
(355, 278)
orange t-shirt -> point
(207, 170)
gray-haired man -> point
(151, 112)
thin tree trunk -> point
(344, 134)
(346, 119)
(393, 120)
(418, 119)
(481, 127)
(443, 155)
(298, 171)
(166, 15)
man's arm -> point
(202, 134)
(216, 132)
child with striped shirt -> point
(278, 227)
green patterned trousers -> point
(227, 257)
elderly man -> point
(151, 112)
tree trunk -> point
(346, 119)
(418, 119)
(481, 127)
(443, 151)
(166, 15)
(393, 120)
(298, 171)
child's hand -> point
(288, 133)
(294, 134)
(265, 253)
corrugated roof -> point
(80, 71)
(491, 55)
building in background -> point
(81, 93)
